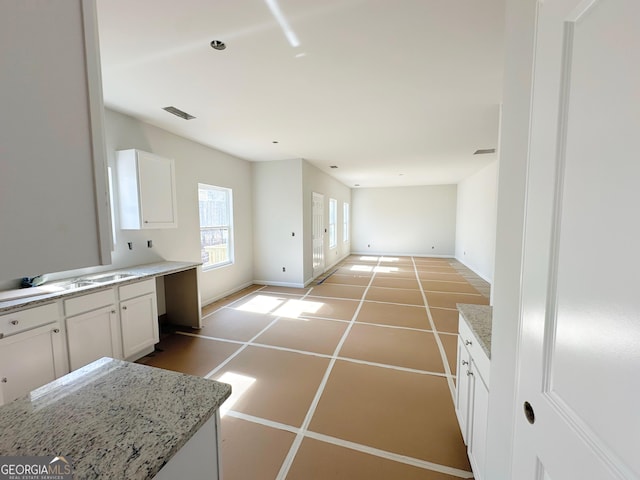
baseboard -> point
(210, 300)
(381, 254)
(278, 284)
(490, 282)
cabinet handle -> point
(464, 362)
(4, 380)
(14, 322)
(56, 330)
(467, 342)
(124, 307)
(146, 221)
(469, 373)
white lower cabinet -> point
(472, 397)
(33, 357)
(92, 328)
(138, 318)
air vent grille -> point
(484, 151)
(179, 113)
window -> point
(216, 224)
(333, 214)
(345, 222)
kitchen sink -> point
(110, 278)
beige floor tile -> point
(331, 308)
(360, 280)
(393, 282)
(401, 412)
(450, 344)
(263, 302)
(449, 300)
(397, 315)
(445, 320)
(191, 355)
(458, 287)
(252, 451)
(284, 386)
(441, 276)
(393, 346)
(310, 335)
(287, 290)
(338, 291)
(232, 324)
(395, 295)
(207, 309)
(318, 460)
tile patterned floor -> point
(349, 379)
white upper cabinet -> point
(54, 204)
(146, 190)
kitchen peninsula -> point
(118, 420)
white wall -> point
(405, 220)
(476, 221)
(315, 180)
(519, 41)
(194, 164)
(278, 215)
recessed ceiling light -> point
(333, 166)
(357, 185)
(217, 45)
(484, 151)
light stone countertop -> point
(137, 272)
(479, 318)
(112, 419)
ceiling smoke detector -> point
(179, 113)
(484, 151)
(217, 45)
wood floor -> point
(352, 378)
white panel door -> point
(579, 351)
(317, 215)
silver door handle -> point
(56, 330)
(124, 307)
(4, 380)
(14, 322)
(469, 373)
(467, 342)
(464, 362)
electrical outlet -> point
(130, 245)
(149, 243)
(284, 269)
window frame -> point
(333, 223)
(228, 227)
(346, 217)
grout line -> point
(241, 349)
(416, 462)
(317, 354)
(443, 354)
(288, 461)
(262, 421)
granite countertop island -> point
(112, 419)
(478, 317)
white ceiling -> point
(393, 92)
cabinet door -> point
(478, 425)
(462, 390)
(139, 322)
(157, 191)
(93, 335)
(29, 360)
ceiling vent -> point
(179, 113)
(484, 151)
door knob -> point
(4, 380)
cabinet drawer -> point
(27, 319)
(92, 301)
(476, 352)
(137, 289)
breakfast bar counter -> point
(114, 420)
